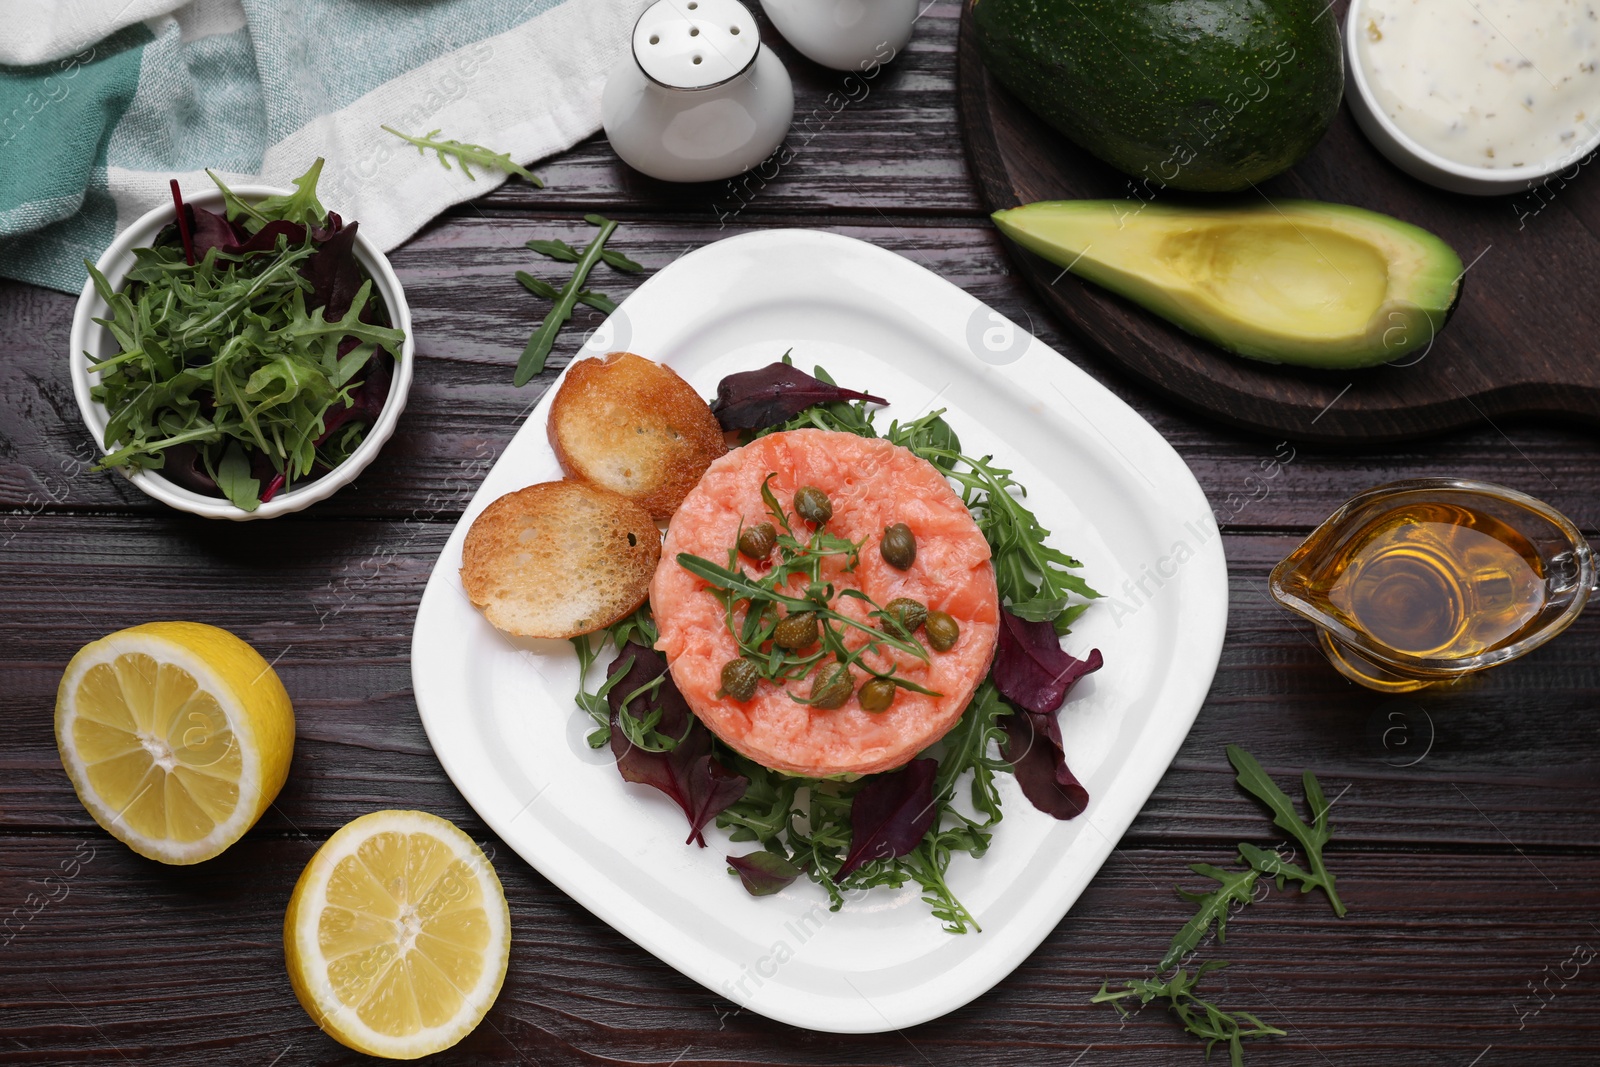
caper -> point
(756, 541)
(909, 613)
(942, 631)
(739, 679)
(813, 505)
(832, 687)
(899, 546)
(796, 631)
(877, 695)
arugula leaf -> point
(1312, 837)
(233, 478)
(301, 206)
(1200, 1017)
(598, 301)
(544, 338)
(464, 154)
(1236, 887)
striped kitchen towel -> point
(103, 101)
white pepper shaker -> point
(845, 34)
(696, 98)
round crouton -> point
(634, 427)
(559, 559)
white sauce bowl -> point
(89, 336)
(1421, 162)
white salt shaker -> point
(696, 98)
(844, 34)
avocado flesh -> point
(1314, 284)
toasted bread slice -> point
(633, 426)
(559, 559)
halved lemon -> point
(397, 935)
(176, 735)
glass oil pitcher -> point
(1420, 582)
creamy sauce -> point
(1487, 83)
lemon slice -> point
(397, 935)
(176, 735)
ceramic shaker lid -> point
(695, 44)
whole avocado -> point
(1206, 95)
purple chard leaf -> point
(891, 814)
(764, 873)
(689, 774)
(1033, 748)
(756, 399)
(1030, 670)
(333, 273)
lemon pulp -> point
(397, 935)
(176, 736)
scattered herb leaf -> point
(544, 338)
(1312, 837)
(599, 301)
(1235, 887)
(565, 253)
(465, 154)
(1200, 1017)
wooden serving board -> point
(1524, 339)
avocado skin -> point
(1204, 95)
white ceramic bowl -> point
(1424, 163)
(89, 336)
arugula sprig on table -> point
(1235, 889)
(466, 155)
(1312, 836)
(569, 295)
(1200, 1017)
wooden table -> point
(1467, 825)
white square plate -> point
(499, 711)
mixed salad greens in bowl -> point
(243, 353)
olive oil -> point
(1434, 580)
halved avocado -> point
(1297, 281)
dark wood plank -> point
(1521, 340)
(1511, 755)
(472, 319)
(1440, 958)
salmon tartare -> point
(872, 485)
